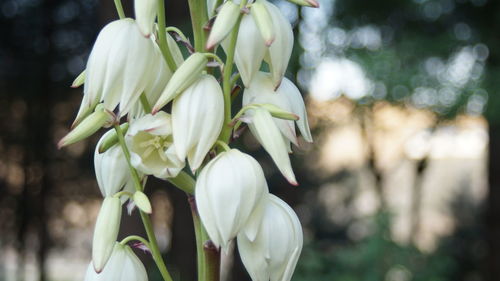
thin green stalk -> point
(212, 257)
(135, 237)
(226, 82)
(146, 220)
(198, 231)
(145, 103)
(184, 182)
(119, 9)
(162, 37)
(199, 17)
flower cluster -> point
(134, 71)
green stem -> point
(145, 103)
(212, 258)
(198, 231)
(223, 145)
(146, 220)
(199, 17)
(178, 31)
(119, 9)
(137, 238)
(184, 182)
(226, 81)
(162, 37)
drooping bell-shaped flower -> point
(111, 168)
(280, 51)
(228, 192)
(273, 253)
(145, 14)
(123, 265)
(119, 68)
(197, 118)
(106, 231)
(287, 97)
(250, 49)
(150, 142)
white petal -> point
(264, 129)
(289, 90)
(145, 14)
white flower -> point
(280, 51)
(122, 266)
(197, 118)
(287, 97)
(273, 253)
(149, 140)
(273, 133)
(224, 23)
(106, 231)
(111, 168)
(250, 49)
(145, 14)
(119, 68)
(228, 191)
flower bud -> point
(273, 253)
(142, 202)
(109, 140)
(111, 167)
(307, 3)
(145, 14)
(281, 50)
(88, 126)
(106, 231)
(250, 49)
(279, 112)
(263, 20)
(224, 23)
(228, 191)
(197, 118)
(119, 66)
(78, 80)
(267, 133)
(185, 75)
(150, 142)
(123, 265)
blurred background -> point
(402, 181)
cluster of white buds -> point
(134, 70)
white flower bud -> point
(228, 191)
(264, 21)
(281, 50)
(286, 97)
(224, 23)
(267, 133)
(250, 49)
(273, 253)
(106, 231)
(150, 142)
(197, 118)
(123, 265)
(111, 168)
(183, 77)
(119, 66)
(145, 14)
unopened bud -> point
(279, 112)
(224, 23)
(264, 22)
(87, 127)
(307, 3)
(142, 202)
(111, 139)
(79, 80)
(145, 14)
(185, 75)
(106, 231)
